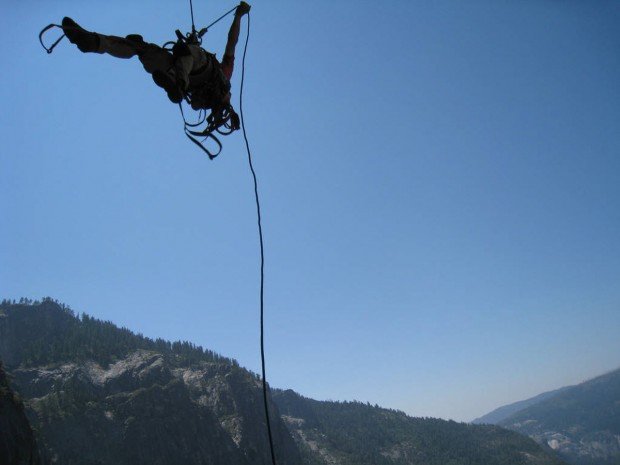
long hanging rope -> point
(191, 9)
(262, 252)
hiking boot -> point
(86, 41)
(167, 82)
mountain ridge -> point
(505, 411)
(580, 422)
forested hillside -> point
(97, 394)
(53, 333)
(353, 433)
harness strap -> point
(190, 135)
(43, 31)
(226, 118)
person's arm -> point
(235, 27)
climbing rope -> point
(191, 9)
(262, 252)
(205, 29)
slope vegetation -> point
(352, 433)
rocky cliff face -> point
(234, 397)
(17, 443)
(142, 410)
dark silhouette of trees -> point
(53, 333)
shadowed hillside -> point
(17, 443)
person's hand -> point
(243, 9)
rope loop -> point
(42, 33)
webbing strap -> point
(190, 135)
(43, 31)
(228, 120)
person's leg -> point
(156, 61)
(154, 58)
(161, 64)
(174, 79)
(87, 41)
(120, 47)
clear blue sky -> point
(440, 184)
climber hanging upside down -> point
(189, 71)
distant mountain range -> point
(581, 423)
(96, 394)
(499, 414)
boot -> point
(86, 41)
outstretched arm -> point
(228, 60)
(233, 33)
